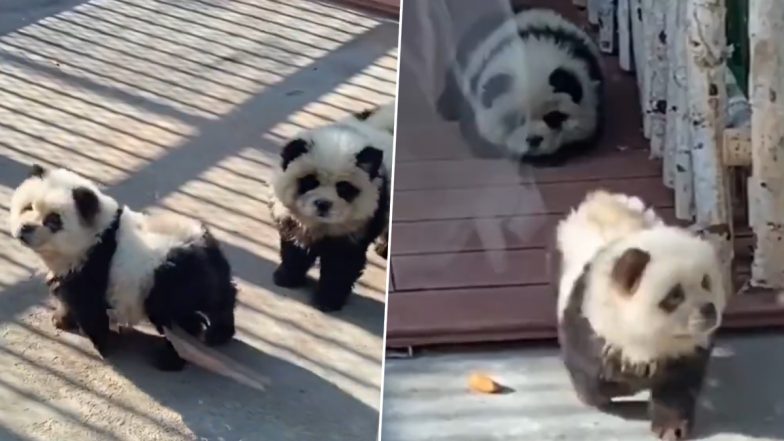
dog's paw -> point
(285, 279)
(167, 360)
(671, 430)
(64, 322)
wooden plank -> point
(517, 200)
(473, 269)
(463, 235)
(524, 313)
(460, 316)
(489, 172)
(656, 68)
(638, 49)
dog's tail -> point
(194, 351)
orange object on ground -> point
(484, 384)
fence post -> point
(707, 50)
(766, 185)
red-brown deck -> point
(470, 236)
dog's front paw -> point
(167, 359)
(671, 429)
(329, 302)
(285, 279)
(64, 322)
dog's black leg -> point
(295, 261)
(94, 322)
(342, 263)
(221, 328)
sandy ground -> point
(426, 398)
(179, 106)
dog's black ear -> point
(87, 203)
(628, 269)
(37, 171)
(292, 151)
(564, 81)
(370, 160)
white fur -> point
(530, 63)
(142, 241)
(332, 158)
(599, 232)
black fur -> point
(194, 278)
(343, 259)
(87, 204)
(37, 171)
(292, 151)
(365, 114)
(83, 292)
(370, 159)
(496, 86)
(564, 81)
(599, 376)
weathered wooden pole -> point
(707, 99)
(766, 185)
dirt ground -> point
(180, 106)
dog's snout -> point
(25, 232)
(322, 206)
(534, 141)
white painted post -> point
(707, 53)
(655, 44)
(624, 35)
(593, 11)
(766, 185)
(678, 131)
(640, 65)
(607, 26)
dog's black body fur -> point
(342, 259)
(194, 279)
(599, 375)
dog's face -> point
(329, 176)
(674, 297)
(54, 213)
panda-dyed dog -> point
(638, 304)
(530, 87)
(331, 202)
(107, 262)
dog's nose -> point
(25, 232)
(322, 206)
(709, 312)
(534, 141)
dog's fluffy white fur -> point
(598, 233)
(331, 157)
(533, 85)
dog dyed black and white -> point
(530, 87)
(109, 263)
(331, 202)
(638, 305)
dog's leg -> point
(295, 261)
(342, 263)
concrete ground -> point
(426, 398)
(180, 106)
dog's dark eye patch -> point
(27, 208)
(53, 222)
(555, 119)
(307, 183)
(674, 298)
(347, 191)
(706, 283)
